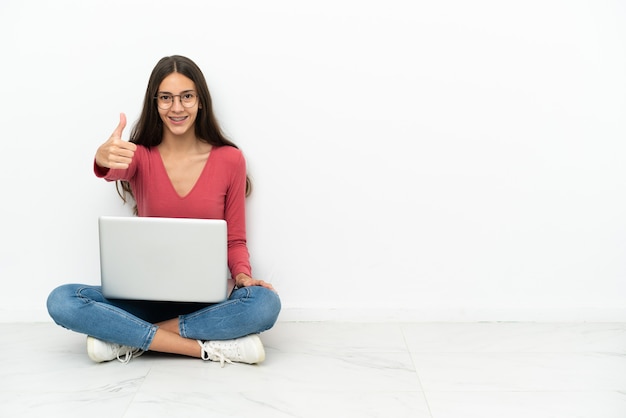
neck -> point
(183, 146)
(179, 143)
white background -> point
(435, 160)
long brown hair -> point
(148, 130)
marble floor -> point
(328, 369)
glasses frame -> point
(195, 95)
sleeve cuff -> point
(100, 172)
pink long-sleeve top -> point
(219, 193)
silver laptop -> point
(164, 259)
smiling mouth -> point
(178, 119)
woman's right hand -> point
(115, 152)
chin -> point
(179, 131)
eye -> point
(188, 96)
(165, 97)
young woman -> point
(177, 164)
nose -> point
(177, 104)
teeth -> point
(177, 119)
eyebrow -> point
(169, 92)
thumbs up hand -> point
(115, 152)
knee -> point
(59, 303)
(268, 305)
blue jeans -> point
(84, 309)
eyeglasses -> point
(165, 100)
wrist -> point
(241, 276)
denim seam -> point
(181, 319)
(150, 330)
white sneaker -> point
(248, 349)
(100, 351)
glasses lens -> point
(164, 101)
(188, 99)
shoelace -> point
(128, 353)
(210, 352)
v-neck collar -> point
(169, 180)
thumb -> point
(120, 127)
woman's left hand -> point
(243, 280)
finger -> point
(124, 151)
(264, 284)
(120, 127)
(120, 166)
(125, 147)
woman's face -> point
(180, 93)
